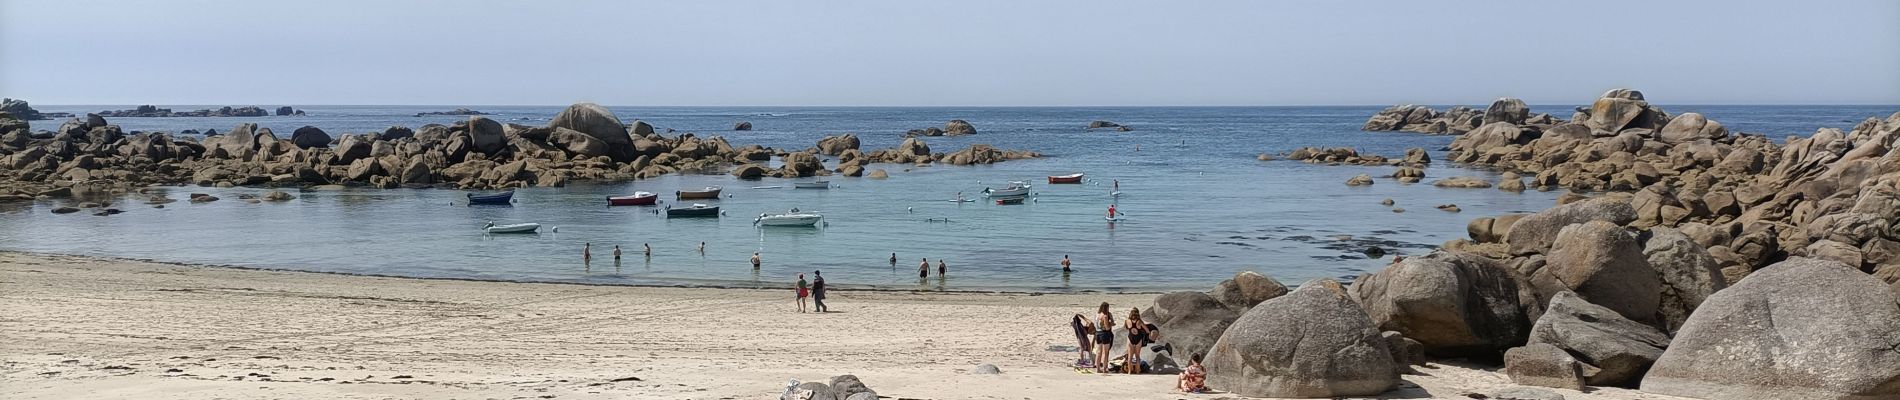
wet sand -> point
(81, 327)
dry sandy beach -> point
(81, 327)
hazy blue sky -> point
(946, 53)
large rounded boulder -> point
(1799, 329)
(1246, 289)
(1605, 264)
(1689, 274)
(1617, 349)
(1312, 343)
(309, 137)
(486, 135)
(1454, 304)
(1192, 321)
(595, 121)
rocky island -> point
(149, 111)
(458, 111)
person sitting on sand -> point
(1138, 332)
(1085, 341)
(755, 260)
(923, 268)
(616, 252)
(818, 292)
(1193, 378)
(1104, 336)
(803, 291)
(1065, 263)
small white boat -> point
(511, 228)
(1015, 188)
(794, 218)
(812, 185)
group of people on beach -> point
(1095, 340)
(815, 290)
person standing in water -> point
(587, 251)
(702, 248)
(923, 268)
(616, 252)
(755, 260)
(1118, 186)
(818, 291)
(943, 270)
(893, 259)
(802, 292)
(1065, 263)
(649, 249)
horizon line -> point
(935, 106)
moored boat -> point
(511, 228)
(812, 185)
(794, 218)
(1010, 200)
(497, 198)
(1015, 188)
(697, 210)
(637, 199)
(710, 192)
(1071, 178)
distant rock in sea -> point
(154, 111)
(458, 111)
(20, 109)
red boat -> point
(637, 199)
(710, 192)
(1009, 200)
(1073, 178)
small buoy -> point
(910, 210)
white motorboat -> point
(812, 185)
(1015, 188)
(794, 218)
(511, 228)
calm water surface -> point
(1199, 206)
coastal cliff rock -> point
(1799, 329)
(1456, 120)
(1311, 343)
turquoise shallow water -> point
(1200, 207)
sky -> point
(945, 53)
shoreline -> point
(90, 327)
(847, 287)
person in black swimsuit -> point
(1137, 338)
(1104, 336)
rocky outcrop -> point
(309, 137)
(20, 109)
(1616, 350)
(835, 145)
(1454, 304)
(1535, 233)
(1456, 120)
(458, 111)
(598, 124)
(1689, 275)
(1361, 180)
(1799, 329)
(147, 111)
(1313, 342)
(958, 127)
(742, 126)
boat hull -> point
(1066, 179)
(516, 228)
(697, 194)
(790, 220)
(812, 185)
(695, 212)
(1009, 200)
(634, 200)
(492, 199)
(1008, 192)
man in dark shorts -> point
(818, 291)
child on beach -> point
(1085, 342)
(802, 292)
(1194, 378)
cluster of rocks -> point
(21, 110)
(1750, 201)
(841, 387)
(286, 111)
(583, 142)
(1414, 157)
(1099, 124)
(458, 111)
(955, 127)
(227, 111)
(1597, 303)
(1456, 120)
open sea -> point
(1199, 206)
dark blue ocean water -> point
(1199, 206)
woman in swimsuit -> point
(1104, 336)
(1137, 338)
